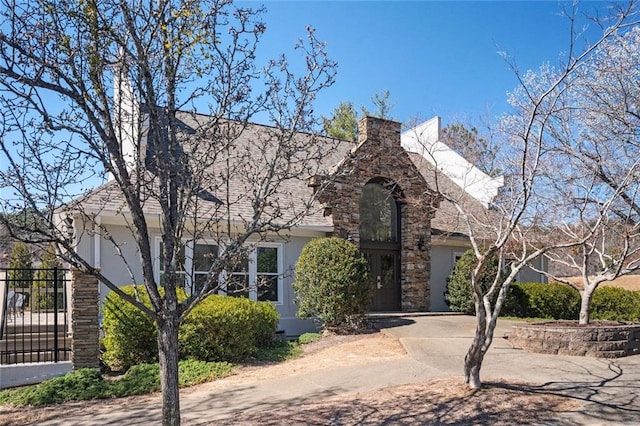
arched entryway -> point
(380, 241)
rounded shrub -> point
(540, 300)
(615, 304)
(130, 336)
(332, 283)
(459, 292)
(222, 328)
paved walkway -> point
(436, 345)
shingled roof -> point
(232, 171)
(228, 189)
(448, 220)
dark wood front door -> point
(384, 277)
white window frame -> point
(189, 245)
(252, 270)
(456, 255)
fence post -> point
(85, 331)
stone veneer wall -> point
(85, 344)
(380, 155)
(600, 341)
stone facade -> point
(379, 156)
(85, 344)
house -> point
(377, 193)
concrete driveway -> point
(437, 344)
(610, 389)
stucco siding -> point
(529, 275)
(100, 252)
(442, 262)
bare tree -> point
(594, 140)
(515, 228)
(92, 88)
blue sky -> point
(436, 58)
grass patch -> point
(309, 337)
(88, 384)
(510, 318)
(279, 351)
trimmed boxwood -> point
(540, 300)
(615, 304)
(220, 328)
(223, 328)
(560, 301)
(332, 283)
(130, 337)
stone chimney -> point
(385, 132)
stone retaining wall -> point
(600, 341)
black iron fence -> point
(34, 325)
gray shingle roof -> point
(233, 171)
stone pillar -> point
(85, 327)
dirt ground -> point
(628, 282)
(443, 401)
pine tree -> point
(20, 272)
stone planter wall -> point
(600, 341)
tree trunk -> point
(473, 363)
(168, 357)
(585, 305)
(475, 354)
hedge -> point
(540, 300)
(615, 304)
(223, 328)
(220, 328)
(560, 301)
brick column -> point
(85, 344)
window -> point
(193, 263)
(238, 283)
(456, 256)
(180, 265)
(378, 213)
(267, 273)
(258, 275)
(203, 257)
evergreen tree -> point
(343, 124)
(46, 280)
(20, 273)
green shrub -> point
(332, 283)
(138, 380)
(222, 328)
(88, 384)
(219, 328)
(130, 336)
(615, 304)
(83, 384)
(540, 300)
(459, 292)
(309, 337)
(193, 372)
